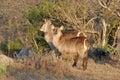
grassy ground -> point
(49, 67)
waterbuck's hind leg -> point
(85, 60)
(75, 60)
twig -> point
(89, 22)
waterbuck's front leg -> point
(75, 60)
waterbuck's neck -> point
(57, 37)
(48, 35)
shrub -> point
(2, 69)
(11, 46)
(40, 12)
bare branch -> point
(89, 22)
(104, 32)
(103, 4)
(111, 47)
(92, 32)
(116, 37)
(118, 12)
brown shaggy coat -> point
(47, 29)
(75, 46)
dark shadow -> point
(102, 56)
(99, 55)
(10, 52)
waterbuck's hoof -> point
(73, 65)
(84, 69)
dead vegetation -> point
(51, 67)
(89, 15)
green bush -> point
(33, 15)
(36, 38)
(14, 44)
(40, 12)
(2, 69)
(112, 50)
(11, 46)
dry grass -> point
(50, 67)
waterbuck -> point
(48, 36)
(75, 46)
(47, 29)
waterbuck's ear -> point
(44, 20)
(62, 27)
(52, 26)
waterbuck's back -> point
(69, 42)
(66, 34)
(70, 34)
(72, 45)
(48, 31)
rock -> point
(26, 53)
(99, 55)
(5, 61)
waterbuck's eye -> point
(54, 31)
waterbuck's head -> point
(57, 30)
(47, 29)
(46, 26)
